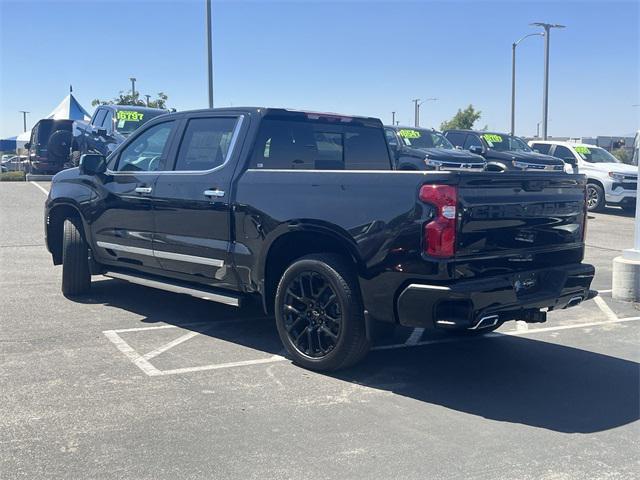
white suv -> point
(609, 181)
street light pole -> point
(209, 54)
(133, 87)
(545, 94)
(513, 79)
(24, 120)
(148, 97)
(393, 118)
(416, 112)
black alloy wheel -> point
(312, 315)
(319, 313)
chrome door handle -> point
(214, 193)
(143, 189)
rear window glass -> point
(316, 145)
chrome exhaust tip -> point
(486, 322)
(573, 301)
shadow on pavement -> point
(501, 378)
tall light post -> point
(545, 94)
(24, 120)
(148, 97)
(513, 78)
(209, 54)
(416, 111)
(393, 118)
(133, 87)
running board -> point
(198, 292)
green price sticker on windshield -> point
(129, 115)
(583, 150)
(406, 133)
(492, 138)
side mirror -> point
(101, 132)
(92, 164)
(27, 146)
(475, 149)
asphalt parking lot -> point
(135, 383)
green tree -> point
(463, 119)
(128, 99)
(622, 155)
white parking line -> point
(170, 345)
(415, 336)
(605, 308)
(44, 190)
(141, 362)
(131, 354)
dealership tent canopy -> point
(69, 109)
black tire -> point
(595, 197)
(333, 314)
(76, 278)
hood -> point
(67, 174)
(445, 154)
(531, 157)
(613, 167)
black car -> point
(304, 213)
(110, 125)
(423, 149)
(503, 151)
(49, 145)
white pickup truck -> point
(609, 181)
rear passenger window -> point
(456, 138)
(541, 147)
(205, 144)
(316, 145)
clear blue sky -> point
(360, 57)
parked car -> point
(609, 181)
(110, 125)
(304, 212)
(14, 164)
(503, 152)
(422, 149)
(50, 145)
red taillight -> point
(440, 232)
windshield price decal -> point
(492, 138)
(582, 150)
(406, 133)
(129, 115)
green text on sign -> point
(492, 137)
(583, 150)
(406, 133)
(129, 115)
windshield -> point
(505, 143)
(595, 155)
(417, 138)
(129, 120)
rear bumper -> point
(461, 305)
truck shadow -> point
(501, 378)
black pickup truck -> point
(503, 151)
(422, 149)
(303, 211)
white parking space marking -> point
(131, 354)
(508, 333)
(244, 363)
(605, 291)
(415, 336)
(605, 308)
(143, 363)
(44, 190)
(164, 348)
